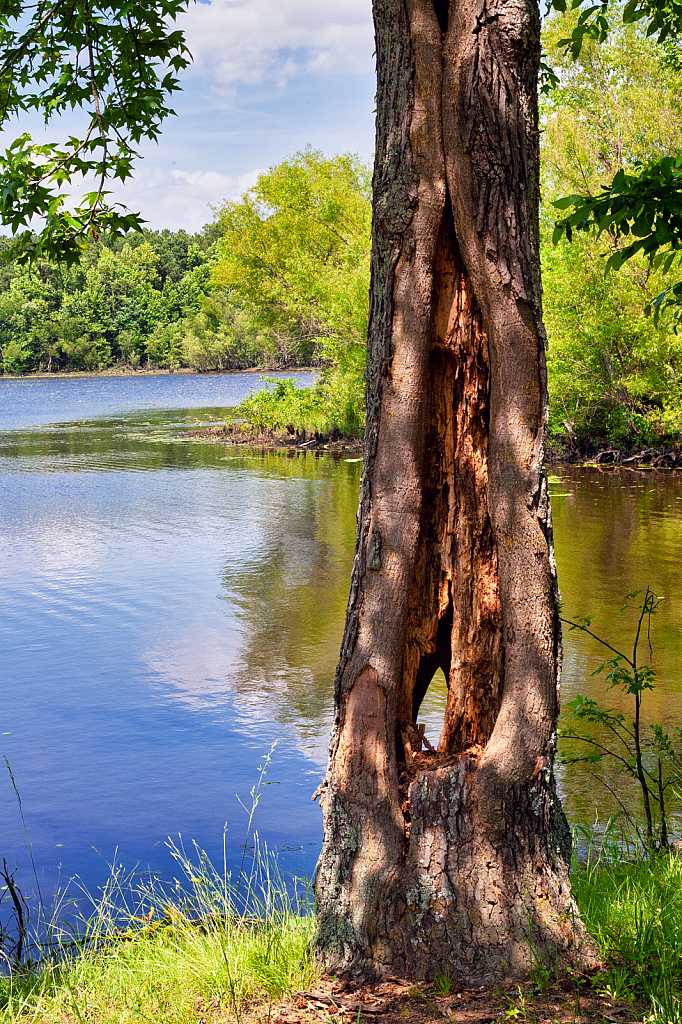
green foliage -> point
(596, 21)
(645, 207)
(118, 64)
(143, 300)
(646, 754)
(120, 304)
(616, 106)
(329, 407)
(297, 247)
(640, 211)
(613, 372)
(281, 279)
(222, 336)
(295, 254)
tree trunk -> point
(452, 861)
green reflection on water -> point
(615, 531)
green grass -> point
(632, 906)
(202, 955)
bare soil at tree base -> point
(573, 1001)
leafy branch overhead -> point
(639, 211)
(118, 63)
(644, 210)
(663, 18)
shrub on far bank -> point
(334, 405)
(294, 255)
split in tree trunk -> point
(451, 861)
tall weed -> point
(143, 949)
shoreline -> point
(233, 434)
(118, 371)
(632, 457)
(602, 455)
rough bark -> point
(452, 861)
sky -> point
(269, 77)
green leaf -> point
(110, 60)
(566, 201)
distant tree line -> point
(281, 277)
(146, 300)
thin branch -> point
(614, 795)
(639, 627)
(578, 625)
(14, 56)
(600, 746)
(614, 730)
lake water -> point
(171, 607)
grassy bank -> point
(201, 948)
(218, 951)
(632, 906)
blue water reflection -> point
(30, 402)
(119, 638)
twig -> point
(614, 795)
(19, 911)
(30, 849)
(338, 1001)
(578, 625)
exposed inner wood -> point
(454, 620)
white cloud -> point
(193, 664)
(249, 41)
(180, 199)
(269, 77)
